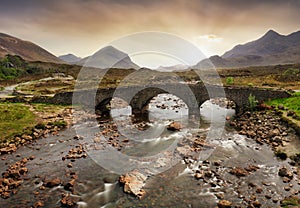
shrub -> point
(291, 72)
(252, 102)
(40, 126)
(281, 155)
(229, 81)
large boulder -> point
(133, 183)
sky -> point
(82, 27)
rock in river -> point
(174, 126)
(133, 183)
(224, 204)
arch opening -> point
(113, 107)
(217, 110)
(166, 106)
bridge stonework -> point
(194, 95)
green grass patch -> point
(48, 108)
(14, 119)
(292, 201)
(292, 103)
(60, 124)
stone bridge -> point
(194, 95)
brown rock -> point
(198, 176)
(256, 204)
(174, 126)
(224, 204)
(252, 168)
(290, 113)
(259, 190)
(42, 188)
(52, 183)
(38, 204)
(219, 195)
(68, 201)
(133, 183)
(275, 200)
(286, 180)
(274, 132)
(283, 172)
(217, 163)
(184, 150)
(239, 172)
(268, 196)
(23, 171)
(9, 149)
(252, 184)
(32, 157)
(69, 186)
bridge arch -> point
(142, 98)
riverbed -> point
(175, 186)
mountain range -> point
(177, 67)
(271, 49)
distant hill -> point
(70, 58)
(178, 67)
(25, 49)
(272, 48)
(108, 57)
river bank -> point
(24, 122)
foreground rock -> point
(241, 172)
(174, 126)
(75, 153)
(224, 204)
(284, 172)
(52, 183)
(12, 178)
(133, 183)
(68, 201)
(9, 149)
(265, 127)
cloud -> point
(83, 26)
(210, 38)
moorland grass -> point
(291, 103)
(15, 118)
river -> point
(175, 187)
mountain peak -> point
(69, 58)
(111, 49)
(271, 33)
(109, 57)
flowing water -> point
(175, 187)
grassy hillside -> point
(14, 69)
